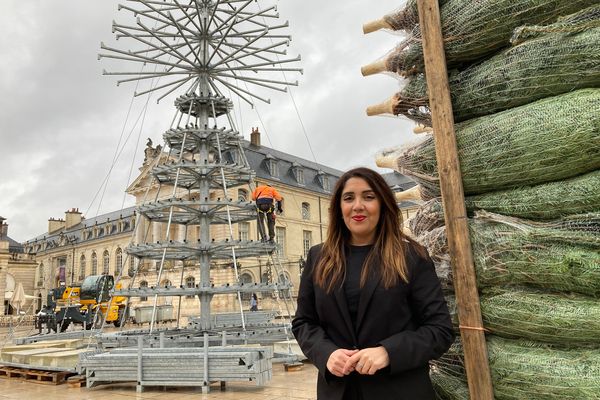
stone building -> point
(75, 247)
(16, 268)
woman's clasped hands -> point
(366, 361)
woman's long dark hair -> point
(390, 242)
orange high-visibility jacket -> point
(268, 192)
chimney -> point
(55, 224)
(72, 218)
(255, 137)
(3, 229)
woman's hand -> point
(338, 360)
(368, 361)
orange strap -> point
(474, 328)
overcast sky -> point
(61, 120)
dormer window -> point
(272, 166)
(242, 195)
(231, 157)
(298, 173)
(323, 180)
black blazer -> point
(411, 320)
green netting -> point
(526, 370)
(547, 201)
(448, 386)
(473, 30)
(548, 140)
(556, 62)
(581, 20)
(561, 255)
(562, 320)
(523, 370)
(540, 257)
(552, 200)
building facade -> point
(16, 268)
(75, 247)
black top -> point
(355, 258)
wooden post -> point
(459, 244)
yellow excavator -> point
(87, 305)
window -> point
(280, 239)
(305, 211)
(242, 195)
(131, 271)
(143, 284)
(118, 261)
(323, 180)
(246, 278)
(272, 166)
(306, 242)
(105, 262)
(94, 264)
(298, 173)
(82, 268)
(190, 283)
(244, 231)
(300, 176)
(232, 156)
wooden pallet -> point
(34, 375)
(290, 367)
(76, 381)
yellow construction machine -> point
(87, 305)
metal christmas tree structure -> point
(206, 48)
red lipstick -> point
(359, 218)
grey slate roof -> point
(257, 158)
(397, 181)
(77, 230)
(14, 246)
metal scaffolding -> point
(203, 48)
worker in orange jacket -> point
(265, 196)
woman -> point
(371, 313)
(254, 302)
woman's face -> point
(360, 211)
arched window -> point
(94, 264)
(246, 278)
(190, 282)
(118, 261)
(166, 283)
(242, 195)
(143, 284)
(305, 210)
(105, 262)
(82, 267)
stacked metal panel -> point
(179, 366)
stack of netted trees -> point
(525, 89)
